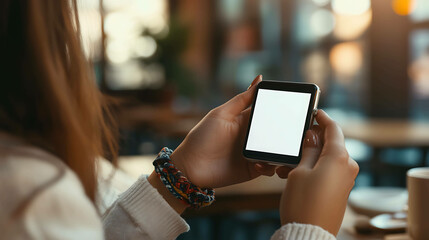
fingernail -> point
(310, 139)
(259, 165)
(259, 77)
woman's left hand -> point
(211, 154)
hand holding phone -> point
(317, 189)
(211, 154)
(281, 113)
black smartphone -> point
(281, 114)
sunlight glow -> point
(349, 27)
(145, 46)
(346, 58)
(351, 7)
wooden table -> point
(262, 193)
(382, 133)
(387, 133)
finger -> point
(332, 132)
(243, 121)
(283, 172)
(243, 100)
(265, 169)
(333, 139)
(245, 116)
(311, 150)
(319, 131)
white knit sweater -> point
(62, 210)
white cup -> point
(418, 203)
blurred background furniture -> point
(383, 134)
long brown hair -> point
(48, 95)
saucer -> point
(373, 201)
(396, 222)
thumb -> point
(243, 100)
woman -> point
(54, 125)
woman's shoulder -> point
(46, 195)
(25, 168)
(27, 171)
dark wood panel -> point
(389, 46)
(233, 204)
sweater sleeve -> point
(142, 213)
(299, 231)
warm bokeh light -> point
(152, 13)
(117, 51)
(321, 2)
(315, 68)
(132, 75)
(348, 27)
(90, 26)
(403, 7)
(132, 29)
(419, 74)
(121, 25)
(346, 59)
(145, 46)
(351, 7)
(126, 21)
(125, 76)
(322, 22)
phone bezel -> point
(275, 158)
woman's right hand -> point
(318, 188)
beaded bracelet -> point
(178, 184)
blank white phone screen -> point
(278, 122)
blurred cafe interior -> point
(169, 62)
